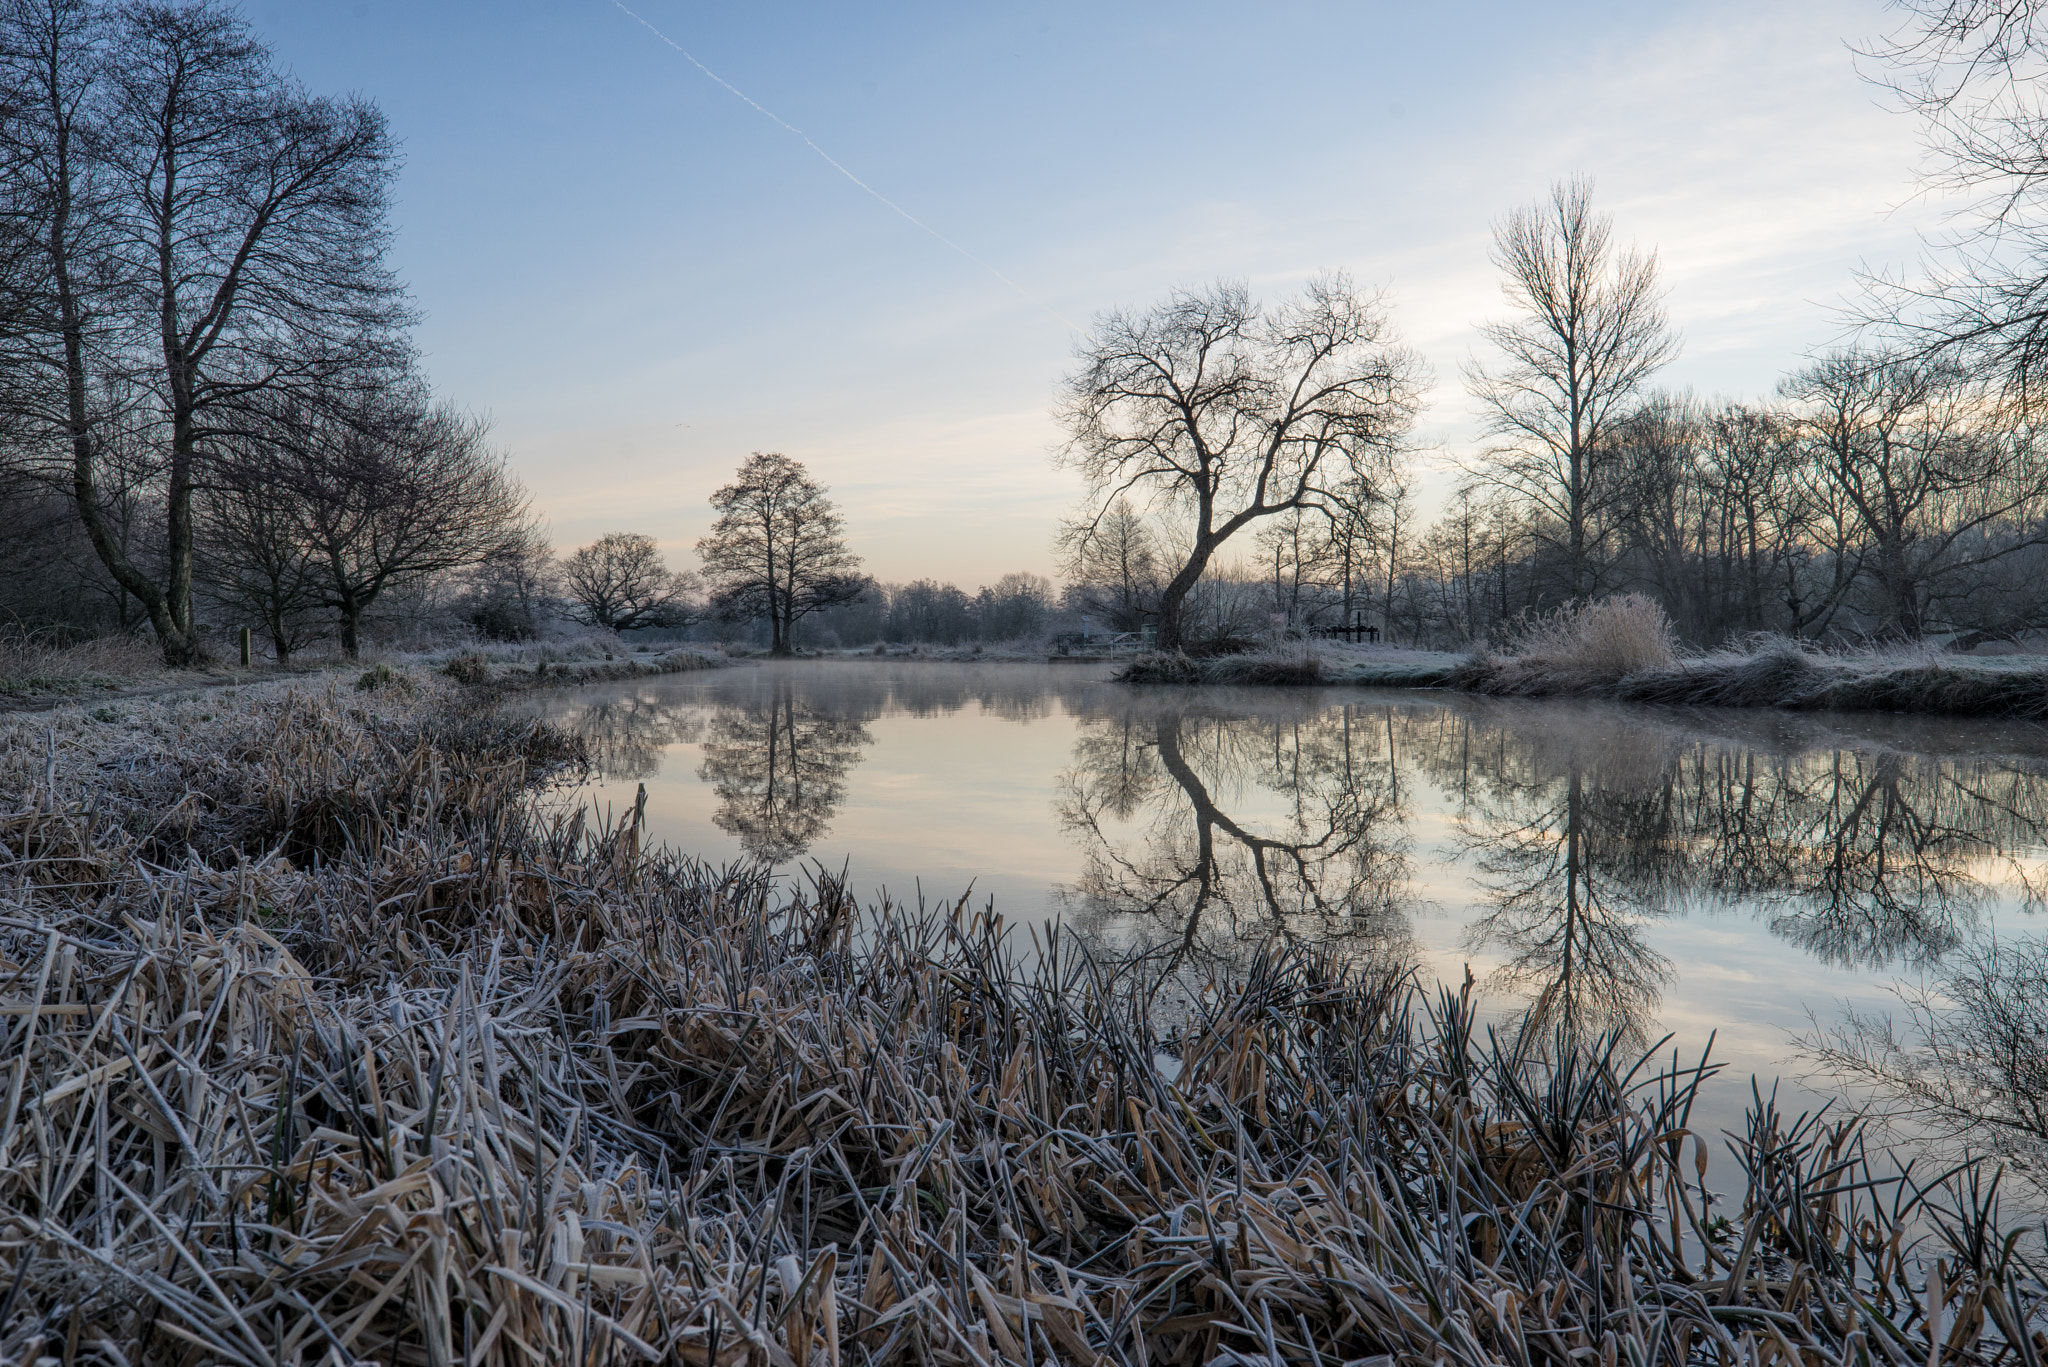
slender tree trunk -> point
(78, 420)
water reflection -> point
(1558, 843)
(1217, 830)
(1583, 835)
(1576, 829)
(778, 764)
(1570, 876)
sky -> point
(641, 277)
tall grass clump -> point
(33, 663)
(1582, 647)
(356, 1056)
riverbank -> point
(1316, 665)
(326, 1045)
(1621, 649)
(1792, 678)
(123, 670)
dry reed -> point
(322, 1045)
(1580, 648)
(31, 665)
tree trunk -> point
(78, 422)
(1175, 594)
(351, 632)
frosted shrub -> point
(1602, 640)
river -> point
(1750, 876)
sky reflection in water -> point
(1622, 868)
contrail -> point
(904, 213)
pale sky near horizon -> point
(640, 278)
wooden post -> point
(245, 647)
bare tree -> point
(1221, 413)
(1969, 1072)
(1590, 331)
(507, 595)
(257, 561)
(1112, 563)
(1938, 483)
(775, 550)
(391, 491)
(619, 582)
(208, 235)
(1972, 70)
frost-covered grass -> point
(1622, 649)
(1794, 676)
(31, 668)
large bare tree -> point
(620, 582)
(775, 550)
(208, 235)
(1589, 329)
(1219, 412)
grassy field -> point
(323, 1045)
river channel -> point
(1745, 875)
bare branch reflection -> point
(1966, 1070)
(1212, 831)
(1586, 826)
(778, 763)
(627, 733)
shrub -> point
(468, 667)
(1610, 637)
(379, 676)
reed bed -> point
(324, 1045)
(32, 665)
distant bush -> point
(469, 667)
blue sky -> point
(641, 279)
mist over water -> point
(1641, 870)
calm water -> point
(1660, 871)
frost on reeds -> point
(323, 1045)
(1579, 648)
(32, 664)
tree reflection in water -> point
(1208, 823)
(1564, 912)
(1966, 1071)
(1581, 828)
(626, 733)
(1213, 831)
(778, 764)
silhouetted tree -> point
(775, 550)
(210, 236)
(508, 594)
(1223, 413)
(1939, 483)
(1111, 562)
(619, 581)
(1974, 71)
(1590, 330)
(390, 492)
